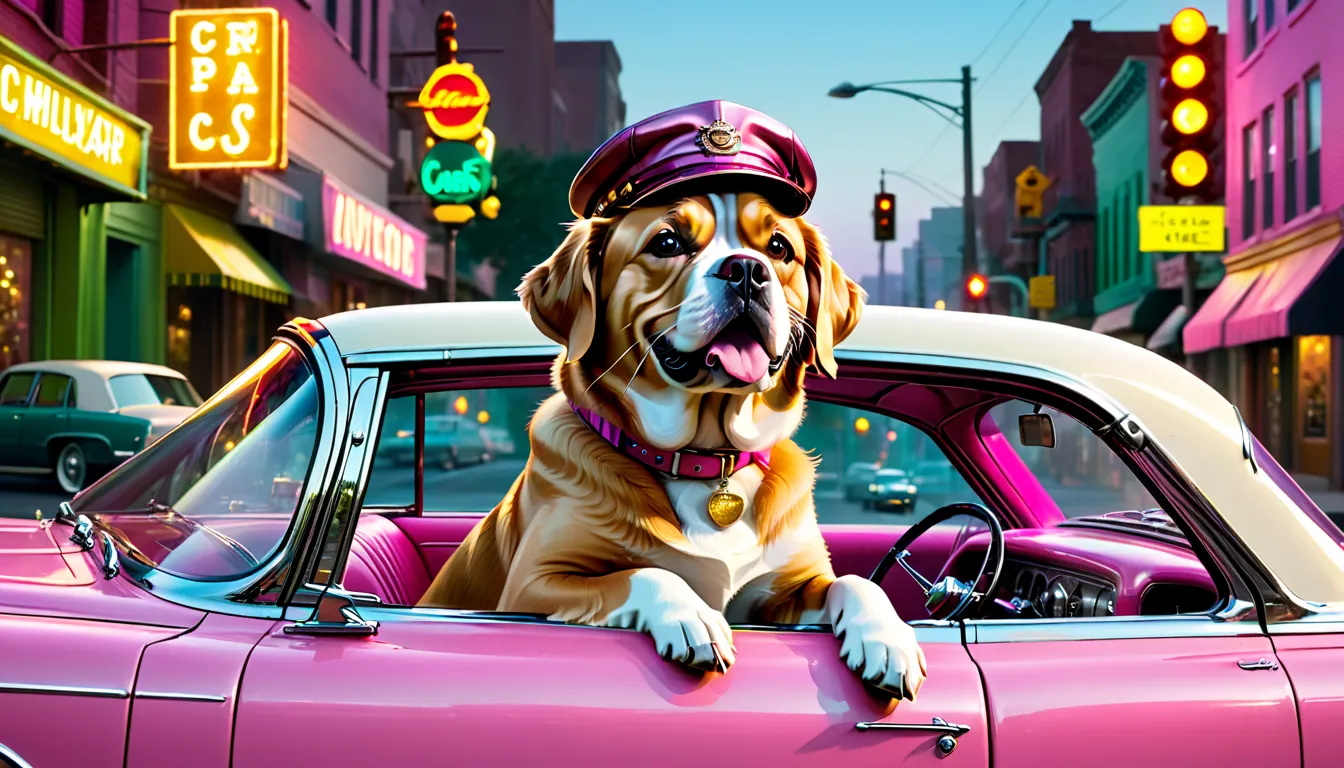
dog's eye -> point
(779, 248)
(666, 244)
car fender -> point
(97, 448)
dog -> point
(662, 492)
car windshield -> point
(214, 499)
(132, 389)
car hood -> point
(159, 415)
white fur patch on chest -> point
(736, 549)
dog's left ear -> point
(559, 293)
(834, 301)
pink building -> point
(1270, 334)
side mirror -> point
(1036, 429)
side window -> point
(71, 399)
(15, 389)
(475, 443)
(51, 389)
(875, 469)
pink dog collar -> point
(696, 465)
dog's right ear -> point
(559, 293)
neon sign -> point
(454, 172)
(455, 101)
(363, 232)
(228, 77)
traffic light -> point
(884, 216)
(976, 288)
(1191, 104)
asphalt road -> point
(24, 496)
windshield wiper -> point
(159, 508)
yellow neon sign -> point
(227, 93)
(45, 112)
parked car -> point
(893, 490)
(498, 442)
(857, 478)
(194, 601)
(76, 419)
(450, 442)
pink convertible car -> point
(1122, 575)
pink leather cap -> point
(711, 143)
(696, 465)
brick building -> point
(1076, 75)
(1003, 253)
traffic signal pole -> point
(969, 257)
(882, 256)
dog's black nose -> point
(748, 276)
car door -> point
(430, 687)
(14, 392)
(47, 415)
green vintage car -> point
(77, 419)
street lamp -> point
(848, 90)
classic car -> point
(76, 419)
(498, 441)
(856, 481)
(225, 597)
(892, 490)
(450, 442)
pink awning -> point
(1205, 329)
(1263, 314)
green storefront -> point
(1138, 295)
(80, 270)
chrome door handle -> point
(946, 743)
(1261, 663)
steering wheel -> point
(950, 598)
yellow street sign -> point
(1030, 193)
(1041, 292)
(227, 82)
(1182, 229)
(455, 214)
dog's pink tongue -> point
(741, 356)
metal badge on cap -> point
(719, 138)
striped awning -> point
(202, 250)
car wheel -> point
(72, 469)
(449, 460)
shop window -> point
(357, 31)
(347, 296)
(16, 258)
(1290, 157)
(1248, 181)
(1292, 5)
(1313, 141)
(1267, 166)
(373, 40)
(179, 337)
(1273, 425)
(1314, 380)
(1269, 14)
(332, 9)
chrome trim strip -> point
(13, 757)
(10, 470)
(485, 353)
(111, 562)
(1113, 628)
(1246, 451)
(939, 725)
(178, 696)
(123, 454)
(65, 690)
(404, 356)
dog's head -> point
(714, 302)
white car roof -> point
(1184, 416)
(92, 390)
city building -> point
(1137, 294)
(587, 76)
(895, 288)
(1269, 335)
(931, 268)
(1004, 253)
(1080, 69)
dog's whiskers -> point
(647, 352)
(609, 368)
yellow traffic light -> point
(1188, 71)
(884, 204)
(861, 425)
(461, 405)
(483, 417)
(1190, 116)
(1189, 168)
(1189, 26)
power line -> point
(975, 61)
(1114, 8)
(1009, 52)
(1016, 109)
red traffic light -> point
(884, 217)
(977, 286)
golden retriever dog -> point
(688, 328)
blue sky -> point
(782, 56)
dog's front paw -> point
(874, 642)
(683, 627)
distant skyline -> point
(782, 56)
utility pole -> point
(445, 52)
(919, 273)
(969, 261)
